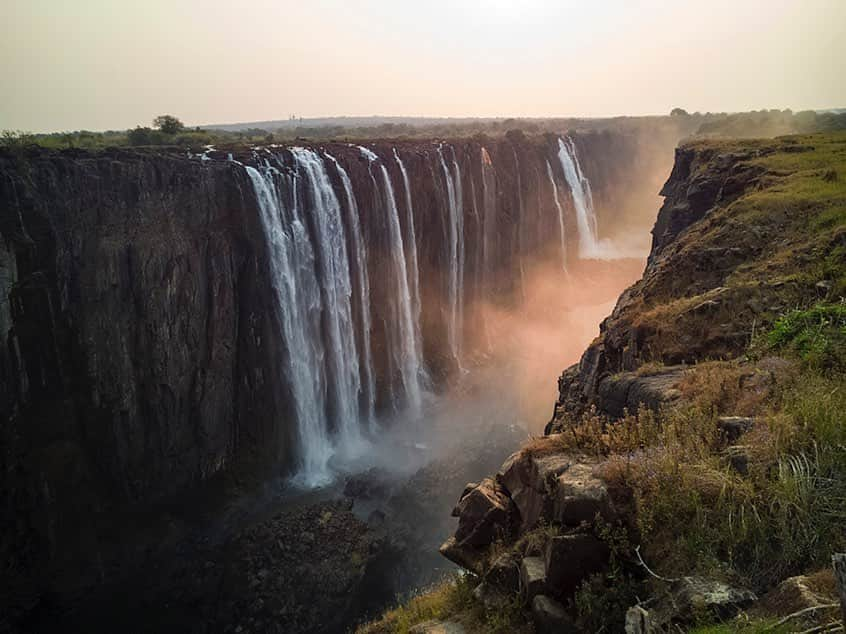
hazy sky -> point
(100, 64)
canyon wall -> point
(150, 341)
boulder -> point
(550, 617)
(527, 477)
(467, 557)
(569, 559)
(627, 391)
(484, 514)
(692, 597)
(504, 572)
(532, 577)
(579, 496)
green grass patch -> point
(817, 336)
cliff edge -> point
(693, 470)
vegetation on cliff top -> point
(167, 130)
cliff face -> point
(674, 314)
(140, 319)
(133, 362)
(725, 259)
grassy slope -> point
(770, 249)
(692, 513)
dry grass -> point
(452, 600)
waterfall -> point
(560, 216)
(297, 294)
(521, 229)
(589, 246)
(406, 347)
(455, 280)
(413, 270)
(336, 292)
(488, 219)
(477, 258)
(360, 253)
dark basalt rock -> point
(484, 514)
(627, 391)
(550, 617)
(140, 360)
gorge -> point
(175, 321)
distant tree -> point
(140, 136)
(678, 112)
(15, 138)
(168, 124)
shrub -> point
(168, 124)
(816, 335)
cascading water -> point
(406, 348)
(589, 246)
(360, 252)
(297, 291)
(560, 216)
(521, 227)
(455, 280)
(413, 269)
(488, 219)
(333, 265)
(322, 267)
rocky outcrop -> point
(686, 307)
(687, 600)
(535, 489)
(627, 391)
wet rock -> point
(484, 514)
(569, 559)
(372, 484)
(532, 577)
(550, 617)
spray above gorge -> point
(356, 360)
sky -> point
(115, 64)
